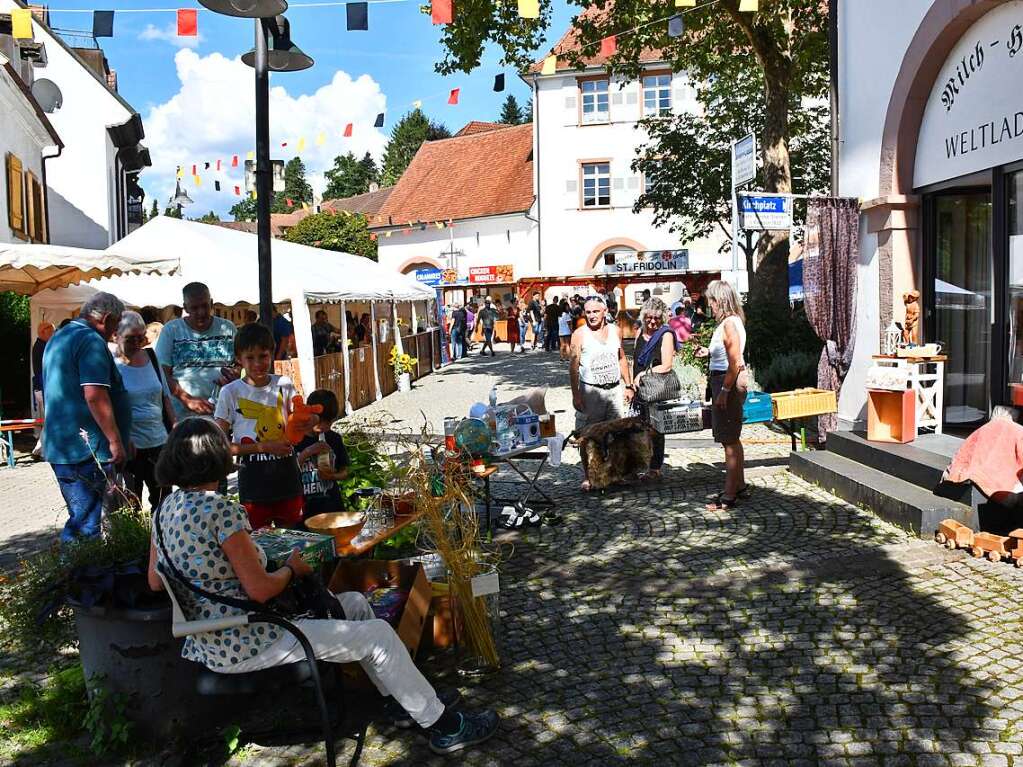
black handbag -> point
(658, 387)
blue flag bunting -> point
(676, 27)
(358, 16)
(379, 121)
(102, 23)
(499, 82)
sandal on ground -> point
(721, 503)
(514, 519)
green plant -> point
(700, 337)
(368, 466)
(785, 372)
(106, 721)
(692, 380)
(400, 544)
(33, 603)
(773, 331)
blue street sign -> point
(428, 276)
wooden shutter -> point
(15, 195)
(35, 213)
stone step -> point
(894, 500)
(910, 463)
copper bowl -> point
(343, 525)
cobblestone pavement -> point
(794, 629)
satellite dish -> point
(48, 95)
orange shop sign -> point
(491, 275)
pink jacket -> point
(991, 458)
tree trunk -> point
(770, 282)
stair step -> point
(894, 500)
(908, 462)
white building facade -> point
(587, 131)
(931, 130)
(94, 180)
(27, 140)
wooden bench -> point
(7, 429)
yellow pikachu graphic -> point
(269, 419)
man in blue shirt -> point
(88, 415)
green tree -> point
(208, 218)
(172, 211)
(296, 188)
(155, 210)
(782, 49)
(527, 111)
(511, 112)
(244, 209)
(343, 232)
(350, 176)
(406, 137)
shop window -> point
(595, 103)
(1015, 182)
(15, 197)
(596, 184)
(657, 95)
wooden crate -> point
(891, 416)
(802, 403)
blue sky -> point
(209, 118)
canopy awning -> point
(28, 269)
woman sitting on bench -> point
(206, 536)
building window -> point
(596, 184)
(650, 176)
(16, 197)
(595, 101)
(656, 95)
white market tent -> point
(226, 260)
(28, 269)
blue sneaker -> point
(403, 720)
(475, 728)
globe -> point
(473, 436)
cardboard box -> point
(277, 544)
(365, 574)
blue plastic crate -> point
(757, 408)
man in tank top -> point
(599, 369)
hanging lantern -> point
(892, 339)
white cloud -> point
(212, 117)
(169, 34)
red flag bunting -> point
(238, 191)
(348, 130)
(188, 22)
(218, 164)
(453, 98)
(194, 173)
(373, 236)
(442, 11)
(284, 143)
(608, 46)
(234, 161)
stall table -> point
(360, 545)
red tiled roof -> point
(480, 174)
(367, 204)
(477, 126)
(569, 42)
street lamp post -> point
(283, 56)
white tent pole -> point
(346, 357)
(374, 340)
(303, 342)
(415, 324)
(397, 335)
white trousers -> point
(371, 642)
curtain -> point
(829, 283)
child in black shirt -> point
(319, 480)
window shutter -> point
(633, 182)
(618, 184)
(571, 186)
(15, 195)
(35, 214)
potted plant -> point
(94, 594)
(402, 364)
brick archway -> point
(615, 242)
(419, 262)
(895, 215)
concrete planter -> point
(132, 652)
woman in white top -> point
(728, 382)
(151, 407)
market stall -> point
(226, 261)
